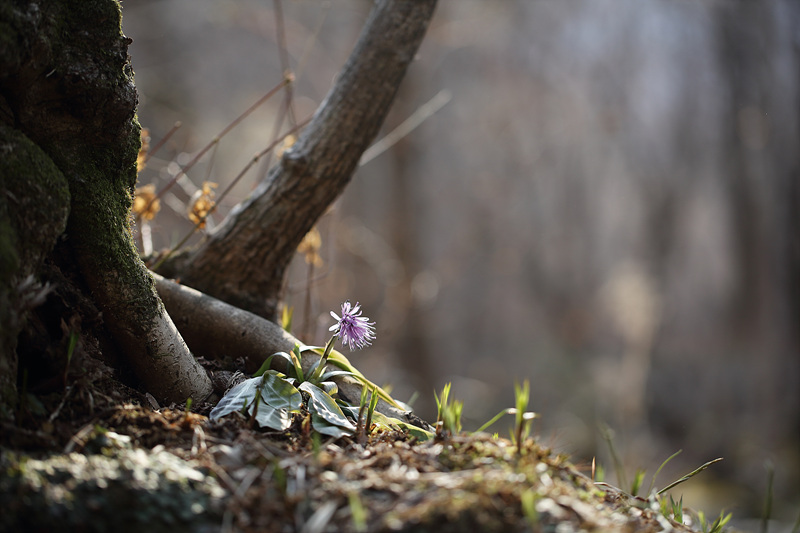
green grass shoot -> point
(357, 512)
(653, 481)
(768, 501)
(522, 416)
(373, 403)
(677, 509)
(716, 526)
(608, 435)
(448, 418)
(689, 476)
(287, 313)
(637, 482)
(494, 419)
(73, 341)
(528, 501)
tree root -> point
(214, 330)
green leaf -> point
(236, 399)
(286, 318)
(278, 397)
(337, 359)
(325, 407)
(677, 509)
(298, 368)
(73, 341)
(279, 393)
(637, 482)
(373, 403)
(414, 431)
(349, 411)
(357, 512)
(268, 416)
(496, 417)
(268, 362)
(330, 387)
(391, 423)
(335, 374)
(313, 370)
(323, 426)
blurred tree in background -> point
(608, 205)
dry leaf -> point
(145, 203)
(310, 246)
(141, 160)
(288, 142)
(202, 204)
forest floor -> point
(96, 455)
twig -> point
(283, 53)
(175, 127)
(423, 113)
(224, 193)
(55, 413)
(312, 39)
(317, 168)
(213, 142)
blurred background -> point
(600, 196)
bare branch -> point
(244, 260)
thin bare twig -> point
(213, 142)
(175, 127)
(423, 113)
(283, 54)
(224, 193)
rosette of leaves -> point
(271, 398)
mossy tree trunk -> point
(244, 261)
(33, 213)
(67, 119)
(68, 111)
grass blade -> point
(496, 417)
(768, 503)
(689, 475)
(653, 482)
(608, 435)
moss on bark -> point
(67, 83)
(34, 204)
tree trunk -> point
(67, 85)
(67, 112)
(244, 260)
(33, 213)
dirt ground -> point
(93, 454)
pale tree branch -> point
(217, 330)
(243, 262)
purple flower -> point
(354, 330)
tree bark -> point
(33, 213)
(243, 262)
(66, 83)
